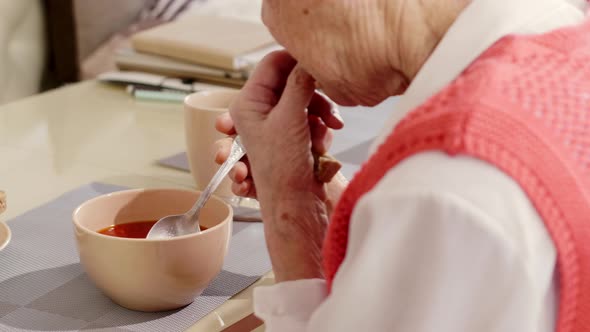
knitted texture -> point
(523, 106)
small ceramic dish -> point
(5, 235)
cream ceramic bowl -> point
(151, 275)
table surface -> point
(86, 132)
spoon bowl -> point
(183, 224)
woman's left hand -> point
(280, 119)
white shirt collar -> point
(479, 26)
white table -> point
(57, 141)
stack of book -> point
(211, 49)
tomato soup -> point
(132, 230)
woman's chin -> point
(345, 102)
(342, 99)
(349, 100)
(368, 101)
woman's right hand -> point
(324, 117)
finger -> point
(327, 110)
(223, 147)
(268, 80)
(321, 135)
(239, 189)
(297, 94)
(224, 124)
(245, 189)
(239, 173)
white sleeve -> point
(418, 260)
(287, 306)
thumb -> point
(297, 94)
(263, 89)
(261, 92)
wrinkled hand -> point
(281, 119)
(322, 117)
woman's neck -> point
(420, 25)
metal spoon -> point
(183, 224)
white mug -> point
(200, 111)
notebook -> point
(129, 60)
(215, 41)
(150, 81)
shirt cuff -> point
(290, 300)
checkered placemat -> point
(44, 288)
(177, 161)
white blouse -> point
(441, 243)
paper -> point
(43, 286)
(192, 40)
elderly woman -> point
(471, 212)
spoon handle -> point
(236, 153)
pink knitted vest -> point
(523, 106)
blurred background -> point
(48, 43)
